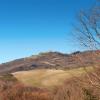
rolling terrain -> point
(51, 76)
(52, 60)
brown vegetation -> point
(11, 90)
(51, 60)
(76, 88)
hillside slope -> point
(52, 60)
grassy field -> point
(47, 77)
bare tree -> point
(88, 33)
(88, 30)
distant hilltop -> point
(52, 60)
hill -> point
(52, 60)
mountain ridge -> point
(52, 60)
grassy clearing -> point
(48, 77)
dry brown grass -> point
(79, 88)
(17, 91)
(47, 77)
(76, 88)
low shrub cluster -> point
(73, 89)
(17, 91)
